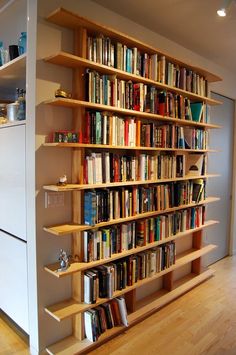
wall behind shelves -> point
(50, 163)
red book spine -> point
(147, 136)
(136, 100)
(126, 132)
(138, 132)
(116, 168)
(197, 217)
(87, 129)
(162, 108)
(112, 92)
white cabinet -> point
(12, 181)
(13, 279)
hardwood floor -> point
(12, 340)
(203, 321)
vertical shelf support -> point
(130, 300)
(168, 281)
(80, 41)
(197, 244)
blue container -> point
(22, 43)
(1, 46)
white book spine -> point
(107, 167)
(88, 326)
(87, 289)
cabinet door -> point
(13, 279)
(12, 181)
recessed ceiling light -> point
(221, 12)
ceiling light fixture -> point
(221, 12)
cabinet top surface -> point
(65, 18)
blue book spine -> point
(90, 208)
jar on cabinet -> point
(22, 43)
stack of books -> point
(111, 314)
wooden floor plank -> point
(201, 322)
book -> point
(196, 111)
(198, 190)
(88, 325)
(123, 310)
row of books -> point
(106, 316)
(137, 134)
(108, 167)
(103, 243)
(109, 90)
(101, 128)
(104, 205)
(156, 67)
(104, 280)
(191, 138)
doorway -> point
(220, 163)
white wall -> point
(51, 163)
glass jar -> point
(12, 110)
(22, 43)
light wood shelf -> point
(75, 187)
(71, 61)
(69, 308)
(65, 18)
(72, 103)
(152, 303)
(72, 346)
(81, 266)
(68, 228)
(109, 147)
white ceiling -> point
(193, 24)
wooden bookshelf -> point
(72, 103)
(69, 308)
(75, 187)
(81, 266)
(65, 18)
(74, 307)
(68, 228)
(71, 61)
(110, 147)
